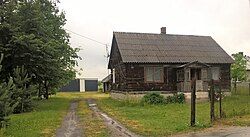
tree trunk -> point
(39, 91)
(46, 95)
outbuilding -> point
(81, 85)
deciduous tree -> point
(238, 68)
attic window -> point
(154, 74)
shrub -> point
(153, 98)
(176, 98)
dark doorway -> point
(196, 73)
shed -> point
(81, 85)
(107, 83)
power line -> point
(86, 37)
(106, 45)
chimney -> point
(163, 30)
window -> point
(180, 75)
(154, 74)
(187, 76)
(215, 73)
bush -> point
(176, 98)
(153, 98)
(156, 98)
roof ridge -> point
(160, 34)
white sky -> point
(227, 21)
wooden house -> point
(166, 62)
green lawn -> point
(48, 115)
(162, 120)
(147, 120)
(43, 121)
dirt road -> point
(70, 126)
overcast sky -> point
(227, 21)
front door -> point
(196, 74)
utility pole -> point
(220, 103)
(107, 55)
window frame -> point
(154, 70)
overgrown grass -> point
(92, 125)
(43, 121)
(162, 120)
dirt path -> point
(115, 128)
(70, 126)
(220, 132)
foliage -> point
(156, 98)
(32, 36)
(238, 68)
(6, 103)
(176, 98)
(23, 92)
(43, 121)
(100, 86)
(153, 98)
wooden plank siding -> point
(131, 77)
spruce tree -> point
(7, 105)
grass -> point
(163, 120)
(92, 125)
(147, 120)
(43, 121)
(46, 117)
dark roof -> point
(168, 48)
(106, 79)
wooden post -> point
(212, 102)
(235, 87)
(220, 107)
(249, 89)
(193, 98)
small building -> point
(107, 83)
(81, 85)
(166, 62)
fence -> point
(242, 88)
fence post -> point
(212, 117)
(193, 98)
(220, 107)
(249, 89)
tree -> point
(7, 105)
(23, 92)
(32, 36)
(238, 68)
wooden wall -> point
(130, 77)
